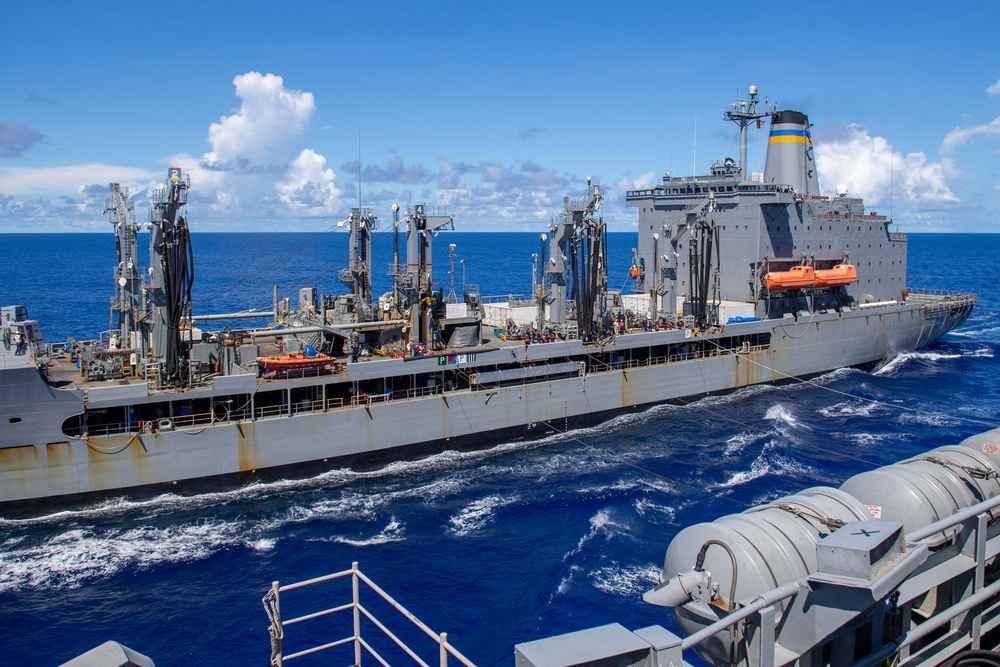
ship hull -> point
(49, 470)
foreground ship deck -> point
(158, 405)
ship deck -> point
(64, 372)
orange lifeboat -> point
(795, 278)
(291, 362)
(841, 274)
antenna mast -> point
(359, 167)
(744, 112)
(890, 185)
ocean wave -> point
(779, 414)
(976, 330)
(263, 544)
(836, 375)
(170, 503)
(661, 485)
(786, 465)
(602, 524)
(565, 581)
(770, 461)
(616, 487)
(393, 532)
(625, 582)
(478, 514)
(757, 470)
(739, 442)
(872, 439)
(852, 408)
(898, 362)
(345, 507)
(928, 419)
(655, 512)
(73, 557)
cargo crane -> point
(358, 275)
(577, 268)
(703, 274)
(171, 264)
(128, 275)
(417, 282)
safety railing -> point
(934, 300)
(302, 407)
(177, 421)
(920, 291)
(362, 646)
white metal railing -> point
(272, 606)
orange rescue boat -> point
(291, 362)
(795, 278)
(841, 274)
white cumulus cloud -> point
(257, 167)
(865, 164)
(962, 135)
(268, 119)
(308, 186)
(994, 89)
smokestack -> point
(790, 159)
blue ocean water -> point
(495, 547)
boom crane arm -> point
(172, 267)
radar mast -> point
(744, 112)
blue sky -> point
(494, 111)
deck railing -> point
(272, 606)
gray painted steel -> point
(863, 568)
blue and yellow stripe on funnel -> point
(790, 136)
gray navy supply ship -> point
(738, 281)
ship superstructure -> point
(738, 281)
(760, 227)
